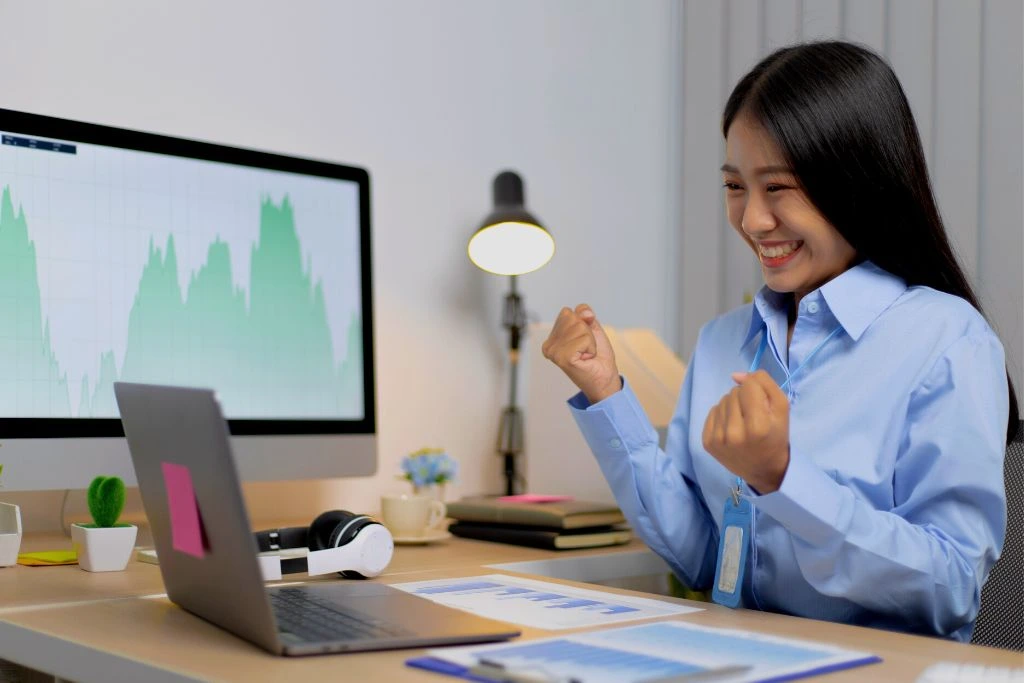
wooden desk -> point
(30, 587)
(86, 627)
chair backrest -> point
(1001, 618)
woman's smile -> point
(777, 254)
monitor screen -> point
(144, 258)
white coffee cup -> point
(408, 515)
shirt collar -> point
(856, 298)
(767, 304)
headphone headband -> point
(279, 539)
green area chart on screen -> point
(268, 357)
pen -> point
(705, 675)
(497, 671)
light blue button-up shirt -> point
(892, 510)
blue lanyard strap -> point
(753, 367)
(764, 345)
(760, 350)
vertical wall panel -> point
(742, 272)
(864, 22)
(781, 23)
(956, 115)
(701, 257)
(822, 19)
(1001, 229)
(910, 46)
(674, 278)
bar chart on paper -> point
(540, 604)
(118, 264)
(653, 651)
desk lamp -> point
(510, 241)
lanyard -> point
(764, 345)
(757, 363)
(738, 515)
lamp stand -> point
(510, 433)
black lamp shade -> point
(510, 241)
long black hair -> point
(839, 116)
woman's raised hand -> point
(748, 431)
(578, 345)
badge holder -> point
(732, 550)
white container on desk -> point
(10, 534)
(103, 549)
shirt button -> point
(812, 307)
(615, 443)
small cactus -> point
(106, 500)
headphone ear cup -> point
(376, 549)
(344, 533)
(336, 528)
(323, 528)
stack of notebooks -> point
(557, 525)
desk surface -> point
(86, 626)
(27, 587)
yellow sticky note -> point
(48, 558)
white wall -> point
(960, 63)
(434, 98)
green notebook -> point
(569, 514)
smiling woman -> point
(845, 431)
(831, 122)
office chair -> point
(1001, 617)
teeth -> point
(780, 250)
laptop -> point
(220, 581)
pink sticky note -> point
(533, 498)
(186, 528)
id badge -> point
(732, 551)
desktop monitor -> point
(145, 258)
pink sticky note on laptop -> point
(534, 498)
(186, 527)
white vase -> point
(10, 534)
(103, 549)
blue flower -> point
(429, 466)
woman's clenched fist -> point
(578, 345)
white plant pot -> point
(10, 534)
(103, 549)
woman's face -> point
(798, 249)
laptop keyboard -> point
(316, 618)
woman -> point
(837, 450)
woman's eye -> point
(776, 188)
(732, 187)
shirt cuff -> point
(618, 423)
(810, 504)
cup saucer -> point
(430, 536)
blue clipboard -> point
(447, 668)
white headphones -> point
(355, 546)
